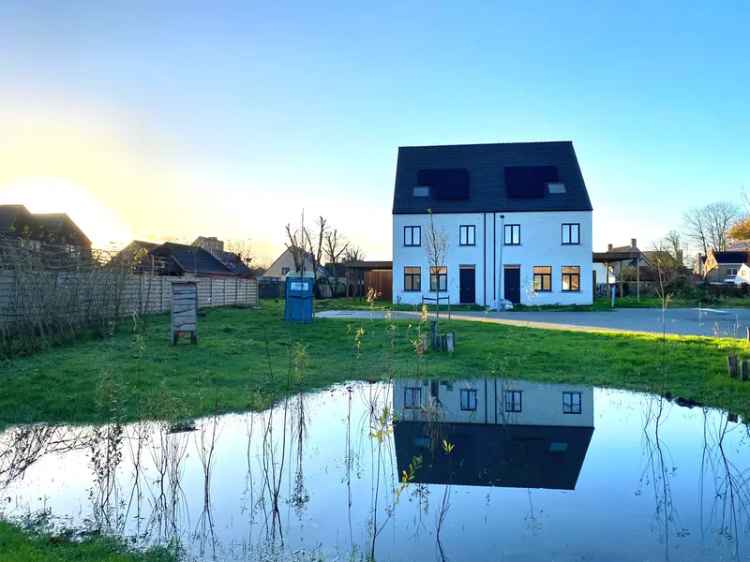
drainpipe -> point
(501, 273)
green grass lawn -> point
(21, 545)
(244, 359)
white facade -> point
(541, 404)
(541, 244)
(284, 266)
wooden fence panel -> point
(75, 294)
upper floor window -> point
(513, 400)
(571, 278)
(412, 397)
(571, 234)
(284, 270)
(542, 278)
(412, 279)
(556, 187)
(571, 402)
(468, 399)
(467, 235)
(438, 279)
(412, 236)
(512, 235)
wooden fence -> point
(134, 293)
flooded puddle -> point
(481, 469)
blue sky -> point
(249, 112)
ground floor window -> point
(468, 399)
(438, 279)
(542, 278)
(513, 400)
(412, 397)
(571, 278)
(412, 279)
(571, 402)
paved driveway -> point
(685, 321)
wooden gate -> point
(382, 281)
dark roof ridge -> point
(484, 144)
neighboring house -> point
(181, 259)
(721, 267)
(509, 433)
(137, 255)
(516, 218)
(742, 277)
(42, 229)
(171, 258)
(284, 265)
(231, 260)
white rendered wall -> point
(541, 245)
(542, 404)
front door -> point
(467, 283)
(512, 282)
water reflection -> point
(480, 469)
(503, 433)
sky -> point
(169, 120)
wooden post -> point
(638, 278)
(449, 342)
(732, 366)
(606, 274)
(745, 375)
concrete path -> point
(684, 321)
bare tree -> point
(242, 249)
(334, 247)
(673, 243)
(297, 246)
(667, 269)
(436, 248)
(696, 228)
(709, 226)
(315, 246)
(353, 253)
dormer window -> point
(421, 191)
(556, 187)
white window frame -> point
(570, 228)
(515, 235)
(409, 239)
(467, 235)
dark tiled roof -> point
(9, 214)
(509, 456)
(45, 227)
(60, 227)
(369, 265)
(234, 263)
(486, 166)
(191, 259)
(732, 257)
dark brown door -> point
(512, 284)
(467, 285)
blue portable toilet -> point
(299, 299)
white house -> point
(516, 218)
(495, 401)
(509, 433)
(284, 265)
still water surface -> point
(481, 469)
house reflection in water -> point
(505, 433)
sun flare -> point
(56, 195)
